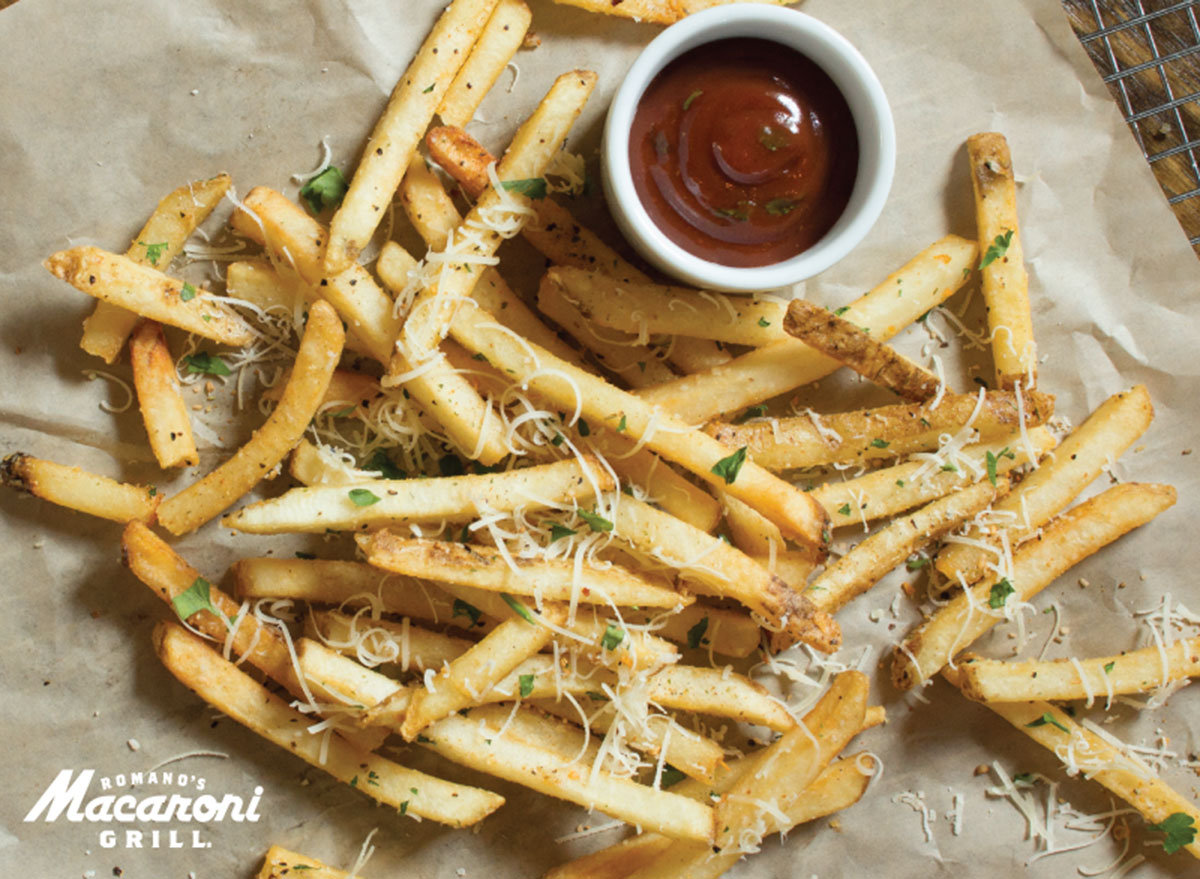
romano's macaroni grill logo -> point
(176, 798)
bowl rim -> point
(854, 78)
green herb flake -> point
(900, 483)
(691, 99)
(613, 636)
(423, 739)
(738, 214)
(1108, 667)
(307, 556)
(781, 207)
(428, 88)
(1048, 719)
(404, 808)
(757, 411)
(382, 464)
(326, 190)
(152, 491)
(763, 322)
(596, 696)
(621, 425)
(670, 777)
(203, 363)
(372, 777)
(729, 467)
(584, 429)
(154, 251)
(518, 608)
(879, 443)
(526, 684)
(354, 783)
(999, 594)
(1023, 777)
(838, 312)
(558, 532)
(949, 468)
(188, 293)
(595, 521)
(193, 599)
(531, 187)
(844, 509)
(1180, 829)
(695, 635)
(470, 611)
(997, 249)
(916, 562)
(363, 497)
(558, 440)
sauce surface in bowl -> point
(743, 152)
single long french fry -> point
(1091, 447)
(396, 502)
(163, 411)
(411, 107)
(148, 292)
(752, 533)
(863, 567)
(501, 38)
(884, 432)
(1133, 781)
(319, 352)
(835, 337)
(233, 692)
(486, 568)
(569, 387)
(1065, 541)
(928, 279)
(279, 863)
(79, 490)
(711, 691)
(1005, 283)
(332, 676)
(891, 490)
(1059, 680)
(175, 217)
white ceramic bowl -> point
(853, 77)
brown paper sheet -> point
(108, 105)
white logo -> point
(67, 796)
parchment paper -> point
(106, 106)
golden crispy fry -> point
(711, 691)
(484, 567)
(163, 411)
(1005, 283)
(1061, 680)
(657, 11)
(146, 291)
(1065, 541)
(885, 432)
(414, 101)
(1091, 447)
(863, 567)
(279, 863)
(1134, 782)
(334, 678)
(319, 352)
(846, 343)
(233, 692)
(175, 218)
(79, 490)
(571, 388)
(929, 279)
(500, 40)
(399, 501)
(891, 490)
(752, 533)
(402, 644)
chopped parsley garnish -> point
(403, 806)
(188, 293)
(154, 251)
(949, 468)
(1108, 667)
(583, 428)
(1180, 829)
(844, 509)
(596, 696)
(763, 322)
(383, 465)
(838, 312)
(695, 635)
(526, 684)
(999, 594)
(595, 521)
(738, 214)
(879, 443)
(613, 636)
(428, 88)
(152, 491)
(621, 425)
(1025, 777)
(363, 497)
(558, 532)
(781, 207)
(558, 440)
(518, 608)
(996, 249)
(670, 776)
(203, 363)
(729, 467)
(326, 190)
(993, 459)
(195, 598)
(691, 99)
(916, 562)
(1047, 719)
(307, 556)
(532, 187)
(757, 411)
(470, 611)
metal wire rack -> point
(1148, 53)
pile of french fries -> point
(565, 510)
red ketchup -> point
(743, 152)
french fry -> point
(79, 490)
(175, 217)
(571, 388)
(279, 863)
(163, 411)
(501, 38)
(310, 467)
(863, 567)
(485, 567)
(396, 502)
(146, 291)
(711, 691)
(752, 533)
(1065, 541)
(1091, 447)
(728, 632)
(334, 677)
(929, 279)
(722, 570)
(414, 648)
(412, 105)
(656, 11)
(296, 241)
(640, 307)
(823, 330)
(1005, 284)
(891, 490)
(1136, 671)
(231, 691)
(475, 741)
(319, 352)
(885, 432)
(1134, 782)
